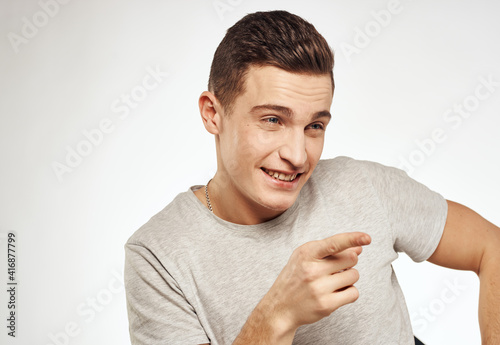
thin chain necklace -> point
(208, 198)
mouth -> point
(281, 176)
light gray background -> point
(65, 78)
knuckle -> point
(309, 271)
(314, 291)
(333, 247)
(354, 294)
(354, 274)
(347, 296)
(353, 258)
(354, 241)
(323, 307)
(302, 252)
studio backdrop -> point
(100, 130)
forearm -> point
(263, 327)
(489, 299)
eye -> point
(319, 126)
(271, 120)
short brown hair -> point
(274, 38)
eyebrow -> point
(287, 111)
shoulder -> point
(348, 176)
(165, 227)
(352, 169)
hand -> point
(317, 280)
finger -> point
(357, 250)
(341, 281)
(336, 282)
(338, 262)
(339, 242)
(339, 298)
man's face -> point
(277, 127)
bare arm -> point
(472, 243)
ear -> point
(210, 111)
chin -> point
(279, 205)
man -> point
(269, 250)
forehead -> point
(272, 85)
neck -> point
(230, 205)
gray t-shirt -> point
(192, 277)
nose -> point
(293, 148)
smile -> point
(280, 176)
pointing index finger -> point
(340, 242)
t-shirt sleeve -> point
(416, 214)
(158, 312)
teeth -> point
(281, 176)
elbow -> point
(490, 256)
